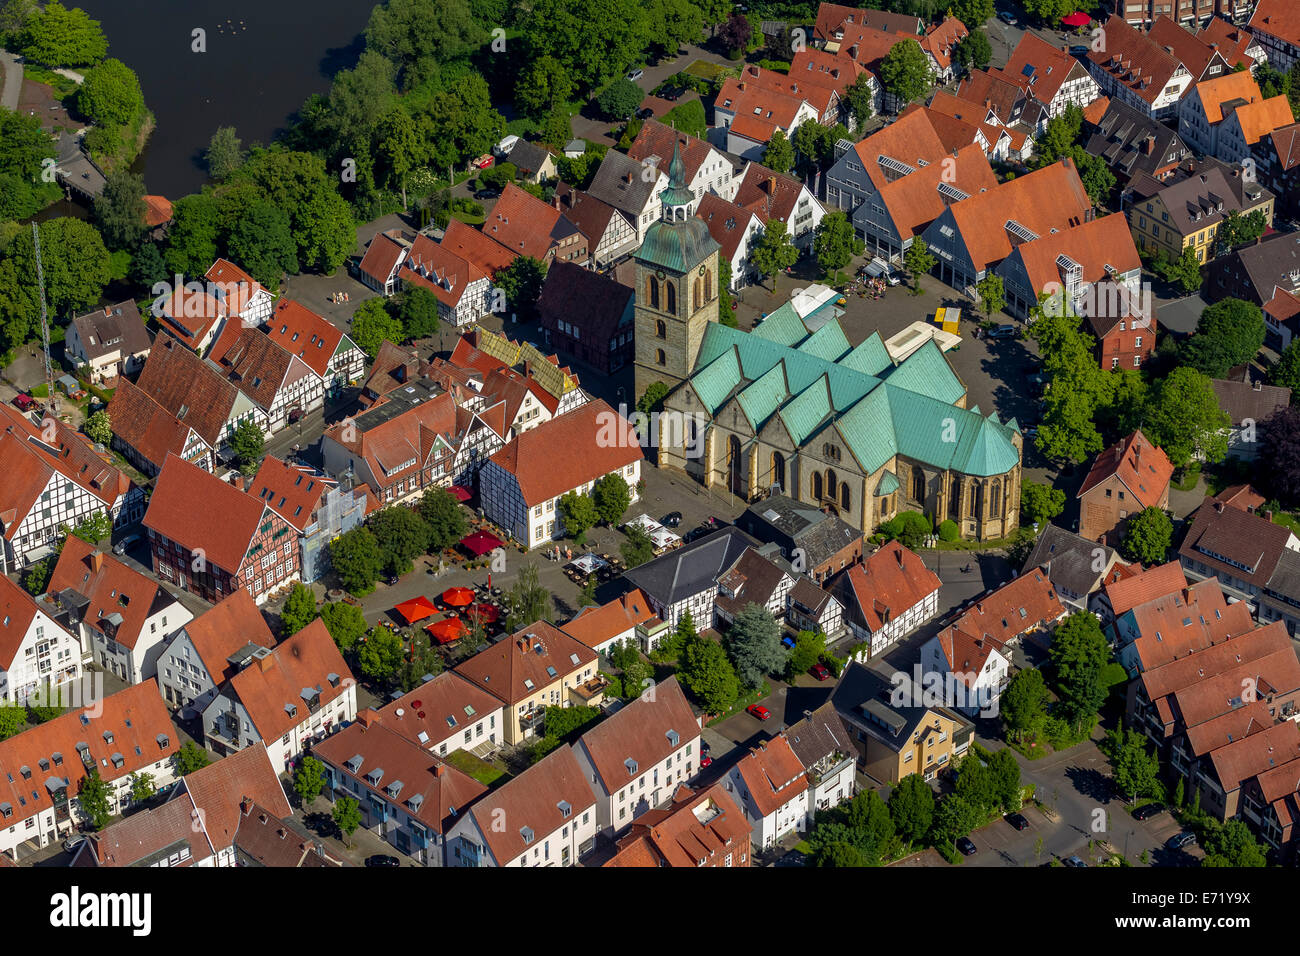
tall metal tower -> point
(45, 322)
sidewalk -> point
(13, 81)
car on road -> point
(671, 520)
(694, 533)
(487, 193)
(820, 671)
(966, 846)
(1007, 17)
(644, 113)
(1148, 810)
(1017, 820)
(1073, 861)
(380, 859)
(1180, 840)
(759, 711)
(706, 762)
(1003, 332)
(121, 546)
(24, 401)
(635, 75)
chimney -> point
(1149, 146)
(245, 806)
(1218, 507)
(368, 717)
(1268, 516)
(1257, 386)
(96, 561)
(265, 663)
(439, 770)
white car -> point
(635, 75)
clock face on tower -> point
(659, 274)
(701, 269)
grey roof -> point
(819, 734)
(778, 517)
(692, 568)
(862, 692)
(1285, 579)
(1270, 263)
(760, 575)
(528, 157)
(1242, 400)
(1122, 139)
(622, 183)
(807, 593)
(1069, 559)
(114, 328)
(1213, 192)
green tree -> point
(262, 243)
(611, 496)
(345, 623)
(974, 51)
(1049, 11)
(1079, 386)
(991, 293)
(972, 13)
(380, 655)
(652, 399)
(859, 99)
(774, 251)
(398, 150)
(1286, 372)
(110, 95)
(26, 151)
(192, 237)
(308, 779)
(401, 534)
(919, 261)
(709, 675)
(93, 794)
(910, 528)
(1135, 768)
(1237, 324)
(418, 35)
(15, 15)
(249, 444)
(99, 427)
(593, 39)
(911, 805)
(809, 647)
(92, 529)
(347, 812)
(579, 513)
(905, 72)
(754, 645)
(688, 118)
(1023, 704)
(567, 723)
(147, 266)
(299, 609)
(37, 576)
(542, 87)
(1185, 419)
(1184, 272)
(1078, 653)
(1232, 844)
(975, 784)
(356, 560)
(620, 99)
(1237, 230)
(835, 243)
(726, 313)
(57, 36)
(76, 269)
(521, 281)
(778, 154)
(191, 757)
(320, 220)
(225, 153)
(638, 548)
(1148, 536)
(142, 786)
(119, 210)
(1004, 778)
(373, 324)
(954, 818)
(528, 600)
(1039, 504)
(444, 517)
(12, 721)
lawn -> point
(490, 775)
(704, 70)
(752, 697)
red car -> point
(759, 711)
(820, 672)
(706, 762)
(23, 401)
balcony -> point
(834, 766)
(533, 720)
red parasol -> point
(460, 493)
(485, 613)
(417, 609)
(1077, 19)
(447, 630)
(458, 597)
(481, 542)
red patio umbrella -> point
(485, 613)
(458, 597)
(1076, 19)
(481, 542)
(447, 630)
(416, 609)
(460, 493)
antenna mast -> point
(45, 322)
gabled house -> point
(538, 666)
(383, 259)
(288, 697)
(697, 829)
(1025, 605)
(1277, 166)
(888, 596)
(546, 816)
(771, 787)
(770, 195)
(533, 162)
(52, 480)
(1180, 622)
(685, 579)
(317, 507)
(1131, 142)
(521, 485)
(242, 296)
(119, 735)
(1050, 76)
(463, 290)
(1126, 478)
(197, 395)
(527, 226)
(1077, 567)
(735, 230)
(37, 653)
(706, 168)
(1259, 272)
(635, 758)
(1136, 70)
(231, 540)
(447, 714)
(210, 649)
(633, 188)
(759, 103)
(146, 433)
(278, 383)
(626, 618)
(611, 234)
(331, 354)
(974, 665)
(838, 72)
(111, 341)
(122, 618)
(407, 796)
(825, 749)
(1276, 25)
(588, 316)
(191, 316)
(1248, 405)
(1226, 117)
(817, 543)
(753, 578)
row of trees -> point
(609, 500)
(393, 537)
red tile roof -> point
(383, 256)
(697, 829)
(596, 439)
(440, 709)
(1279, 18)
(256, 365)
(1175, 625)
(1135, 60)
(940, 38)
(728, 223)
(658, 140)
(300, 331)
(889, 582)
(594, 626)
(112, 587)
(144, 424)
(189, 315)
(837, 72)
(270, 684)
(412, 434)
(1254, 754)
(966, 653)
(236, 286)
(435, 268)
(1143, 468)
(200, 511)
(1155, 582)
(768, 194)
(639, 732)
(525, 224)
(222, 630)
(157, 210)
(1193, 51)
(70, 454)
(503, 668)
(479, 250)
(773, 774)
(1245, 651)
(17, 610)
(293, 492)
(914, 201)
(1020, 605)
(218, 789)
(1094, 245)
(1231, 41)
(189, 389)
(909, 139)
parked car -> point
(706, 762)
(70, 845)
(1180, 840)
(671, 520)
(1074, 861)
(635, 75)
(759, 711)
(1017, 820)
(24, 401)
(1007, 17)
(788, 641)
(966, 846)
(380, 859)
(820, 671)
(704, 746)
(483, 162)
(121, 546)
(487, 193)
(1080, 49)
(644, 113)
(1003, 332)
(295, 414)
(1148, 810)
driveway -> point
(13, 80)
